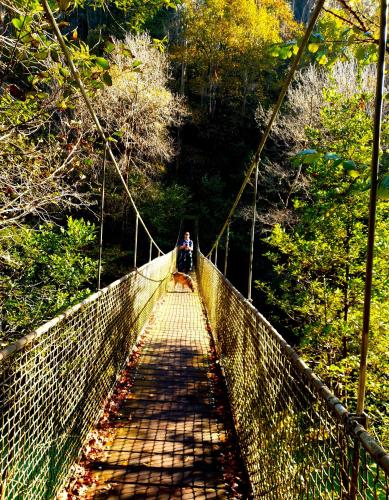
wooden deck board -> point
(168, 444)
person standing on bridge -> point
(185, 259)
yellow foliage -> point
(238, 24)
(226, 41)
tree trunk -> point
(210, 89)
(245, 93)
(183, 71)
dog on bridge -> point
(184, 279)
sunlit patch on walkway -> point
(168, 439)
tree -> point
(345, 29)
(43, 271)
(319, 262)
(307, 100)
(136, 107)
(46, 162)
(223, 45)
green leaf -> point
(318, 36)
(360, 53)
(107, 79)
(41, 55)
(354, 174)
(331, 157)
(306, 152)
(286, 52)
(313, 47)
(97, 85)
(102, 62)
(323, 60)
(127, 52)
(64, 71)
(307, 157)
(18, 23)
(136, 64)
(383, 188)
(275, 51)
(349, 165)
(109, 47)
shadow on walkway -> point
(168, 436)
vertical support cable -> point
(373, 204)
(179, 232)
(102, 219)
(136, 239)
(151, 250)
(227, 250)
(254, 216)
(371, 236)
(216, 249)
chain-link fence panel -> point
(296, 439)
(53, 382)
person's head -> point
(186, 235)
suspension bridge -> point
(296, 440)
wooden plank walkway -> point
(169, 445)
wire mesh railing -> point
(54, 381)
(297, 440)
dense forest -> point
(183, 89)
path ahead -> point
(170, 447)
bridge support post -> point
(151, 250)
(254, 216)
(136, 240)
(227, 249)
(102, 219)
(380, 90)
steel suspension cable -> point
(277, 107)
(254, 218)
(136, 240)
(373, 203)
(150, 250)
(179, 232)
(77, 78)
(102, 220)
(227, 250)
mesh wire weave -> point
(53, 382)
(296, 439)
